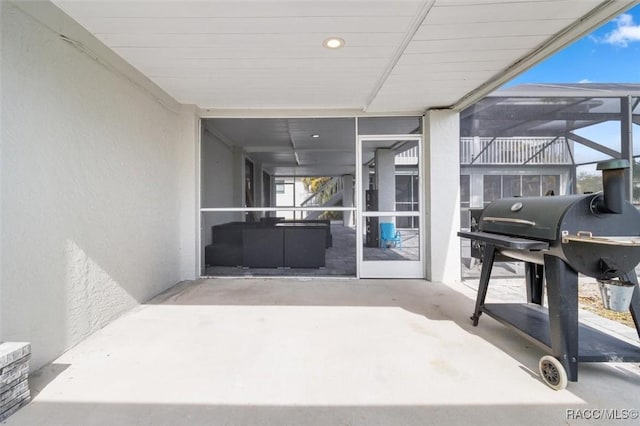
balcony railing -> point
(516, 151)
(319, 198)
(408, 157)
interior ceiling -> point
(286, 147)
(400, 55)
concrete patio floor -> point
(313, 352)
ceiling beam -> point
(411, 32)
(554, 116)
(268, 149)
(226, 141)
(293, 142)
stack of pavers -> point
(14, 371)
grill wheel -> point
(552, 372)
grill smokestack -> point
(613, 185)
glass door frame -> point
(388, 268)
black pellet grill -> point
(558, 237)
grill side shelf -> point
(532, 322)
(504, 241)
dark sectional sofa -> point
(270, 243)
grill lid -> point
(529, 217)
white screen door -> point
(389, 182)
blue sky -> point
(610, 54)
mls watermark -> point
(601, 414)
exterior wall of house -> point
(442, 194)
(97, 183)
(188, 157)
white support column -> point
(273, 194)
(257, 184)
(239, 196)
(365, 186)
(189, 160)
(347, 199)
(386, 181)
(442, 194)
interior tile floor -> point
(340, 257)
(313, 352)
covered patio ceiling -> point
(400, 56)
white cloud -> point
(585, 80)
(626, 31)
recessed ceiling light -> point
(333, 43)
(315, 136)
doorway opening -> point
(286, 196)
(278, 197)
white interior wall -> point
(94, 162)
(217, 183)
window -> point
(465, 201)
(465, 191)
(403, 188)
(511, 186)
(407, 198)
(531, 186)
(497, 186)
(279, 187)
(550, 183)
(492, 188)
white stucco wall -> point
(442, 194)
(94, 165)
(188, 157)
